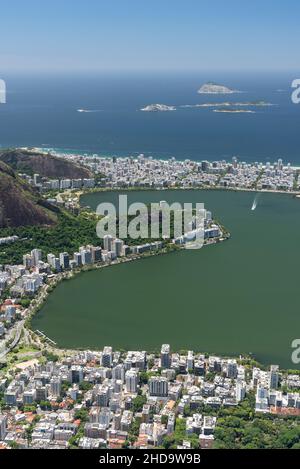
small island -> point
(235, 111)
(214, 88)
(158, 108)
(230, 104)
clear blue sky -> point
(149, 34)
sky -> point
(130, 35)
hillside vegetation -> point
(20, 204)
(48, 165)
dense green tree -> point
(85, 386)
(138, 402)
(45, 405)
(82, 414)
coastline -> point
(82, 193)
(48, 345)
(200, 187)
(65, 153)
(42, 297)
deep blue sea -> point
(41, 110)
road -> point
(19, 328)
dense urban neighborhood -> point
(145, 171)
(143, 400)
(55, 398)
(149, 233)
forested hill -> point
(20, 204)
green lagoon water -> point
(236, 297)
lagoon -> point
(235, 297)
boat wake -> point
(88, 110)
(255, 202)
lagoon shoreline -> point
(234, 217)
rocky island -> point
(158, 107)
(214, 88)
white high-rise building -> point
(118, 372)
(36, 179)
(171, 423)
(86, 256)
(36, 256)
(131, 380)
(165, 356)
(50, 258)
(53, 261)
(274, 377)
(107, 242)
(117, 247)
(104, 417)
(96, 253)
(78, 258)
(190, 360)
(65, 184)
(231, 369)
(158, 386)
(64, 260)
(28, 261)
(55, 386)
(240, 390)
(3, 427)
(262, 392)
(107, 357)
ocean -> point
(41, 111)
(225, 292)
